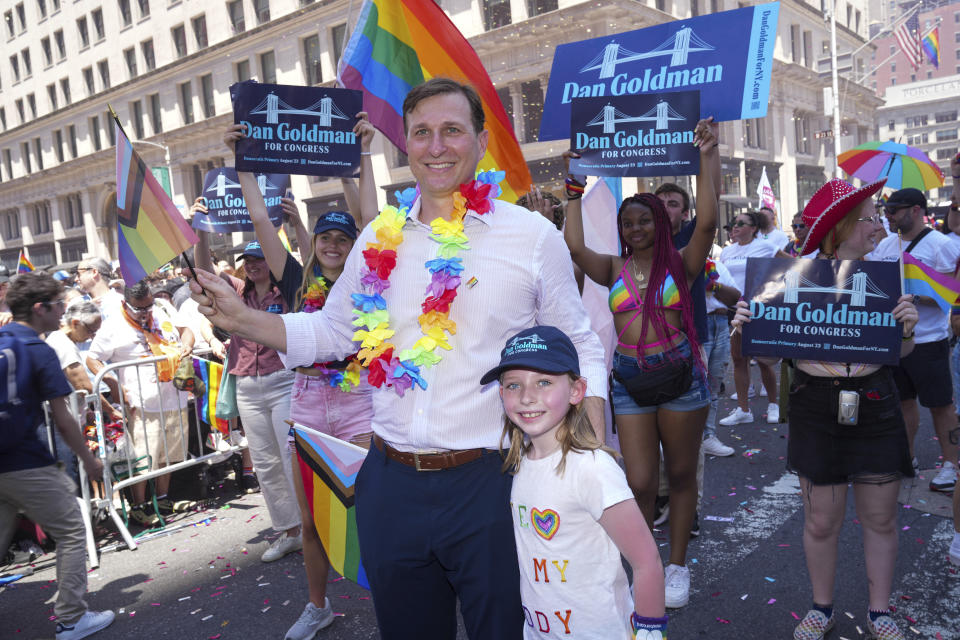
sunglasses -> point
(799, 226)
(741, 223)
(870, 219)
(134, 309)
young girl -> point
(573, 512)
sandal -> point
(814, 626)
(884, 628)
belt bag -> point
(661, 384)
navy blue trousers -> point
(429, 538)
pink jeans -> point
(317, 405)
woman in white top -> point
(746, 244)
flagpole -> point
(900, 261)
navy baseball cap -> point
(339, 220)
(541, 348)
(253, 250)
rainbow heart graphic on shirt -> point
(545, 522)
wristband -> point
(365, 153)
(574, 188)
(909, 337)
(956, 177)
(648, 628)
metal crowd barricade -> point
(134, 428)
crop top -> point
(623, 299)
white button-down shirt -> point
(524, 278)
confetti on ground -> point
(205, 618)
(265, 609)
(914, 630)
(263, 584)
(723, 621)
(743, 597)
(909, 619)
(769, 579)
(795, 616)
(718, 519)
(195, 612)
(184, 598)
(859, 631)
(771, 600)
(848, 614)
(286, 602)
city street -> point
(748, 574)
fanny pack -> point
(659, 384)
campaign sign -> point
(728, 56)
(226, 208)
(643, 135)
(829, 310)
(298, 130)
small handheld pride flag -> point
(23, 264)
(921, 280)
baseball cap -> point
(906, 198)
(541, 348)
(339, 220)
(62, 275)
(253, 250)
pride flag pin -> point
(472, 282)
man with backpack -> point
(30, 480)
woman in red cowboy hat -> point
(873, 455)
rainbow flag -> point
(210, 373)
(921, 280)
(328, 468)
(396, 45)
(150, 230)
(23, 264)
(284, 240)
(931, 46)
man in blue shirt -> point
(29, 477)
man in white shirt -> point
(925, 373)
(770, 232)
(432, 503)
(93, 276)
(158, 418)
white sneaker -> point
(712, 446)
(946, 478)
(773, 413)
(737, 416)
(955, 549)
(237, 438)
(751, 393)
(87, 625)
(281, 547)
(310, 621)
(676, 586)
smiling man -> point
(433, 505)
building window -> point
(945, 116)
(103, 68)
(186, 102)
(41, 218)
(15, 68)
(496, 13)
(88, 80)
(179, 40)
(11, 219)
(11, 29)
(82, 32)
(200, 31)
(893, 67)
(136, 114)
(338, 36)
(3, 118)
(945, 154)
(755, 133)
(60, 44)
(32, 103)
(536, 7)
(311, 60)
(27, 67)
(268, 68)
(98, 31)
(25, 154)
(206, 92)
(94, 125)
(946, 134)
(47, 52)
(262, 10)
(111, 128)
(532, 97)
(19, 104)
(72, 141)
(72, 250)
(144, 6)
(58, 144)
(243, 70)
(802, 132)
(21, 18)
(130, 56)
(42, 8)
(146, 48)
(74, 212)
(235, 11)
(795, 44)
(52, 96)
(156, 115)
(507, 101)
(126, 17)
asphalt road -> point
(749, 579)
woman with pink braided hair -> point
(660, 395)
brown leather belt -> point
(428, 461)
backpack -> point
(15, 381)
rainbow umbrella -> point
(904, 166)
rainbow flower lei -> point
(313, 300)
(401, 370)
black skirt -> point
(827, 452)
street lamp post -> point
(836, 88)
(166, 159)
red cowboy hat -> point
(829, 205)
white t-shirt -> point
(65, 348)
(725, 279)
(776, 237)
(110, 303)
(571, 578)
(191, 317)
(118, 341)
(734, 257)
(937, 251)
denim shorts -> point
(696, 397)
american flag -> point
(908, 37)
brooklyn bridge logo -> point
(324, 109)
(859, 287)
(677, 47)
(661, 114)
(224, 184)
